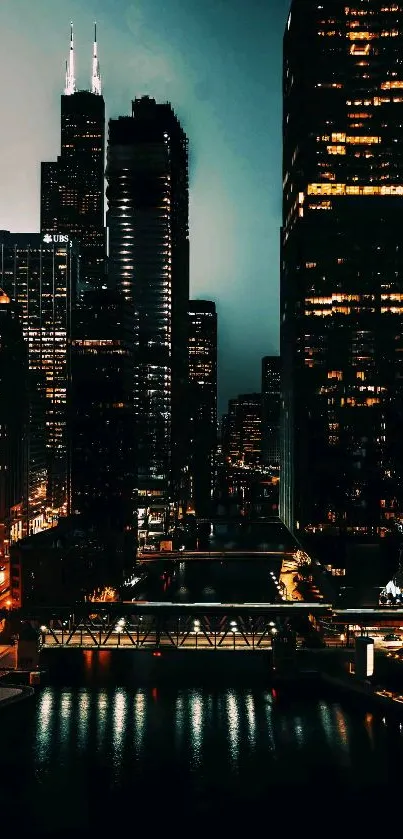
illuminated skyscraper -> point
(271, 410)
(147, 174)
(40, 276)
(342, 267)
(72, 187)
(242, 430)
(202, 401)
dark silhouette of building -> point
(342, 268)
(103, 468)
(147, 174)
(13, 428)
(242, 430)
(202, 401)
(64, 565)
(41, 276)
(72, 187)
(271, 410)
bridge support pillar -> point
(284, 647)
(27, 654)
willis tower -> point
(72, 188)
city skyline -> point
(228, 109)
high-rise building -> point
(271, 410)
(242, 430)
(202, 401)
(13, 428)
(40, 276)
(103, 467)
(342, 268)
(147, 175)
(72, 187)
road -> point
(195, 640)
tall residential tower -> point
(271, 410)
(202, 401)
(342, 268)
(147, 174)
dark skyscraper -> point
(13, 426)
(202, 401)
(271, 410)
(342, 267)
(72, 188)
(103, 485)
(40, 276)
(147, 174)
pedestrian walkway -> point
(289, 571)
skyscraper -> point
(72, 187)
(147, 175)
(342, 268)
(13, 426)
(103, 466)
(242, 430)
(40, 276)
(271, 410)
(202, 401)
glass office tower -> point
(73, 186)
(41, 276)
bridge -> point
(209, 626)
(203, 556)
(144, 625)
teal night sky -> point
(219, 63)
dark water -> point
(84, 757)
(204, 581)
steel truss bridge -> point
(200, 556)
(153, 626)
(202, 626)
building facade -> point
(73, 186)
(242, 430)
(271, 410)
(147, 175)
(103, 466)
(41, 276)
(202, 402)
(342, 268)
(13, 428)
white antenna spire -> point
(96, 84)
(70, 71)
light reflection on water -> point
(251, 736)
(233, 726)
(196, 722)
(84, 702)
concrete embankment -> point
(11, 695)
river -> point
(243, 580)
(98, 748)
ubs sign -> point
(55, 239)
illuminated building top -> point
(96, 84)
(70, 86)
